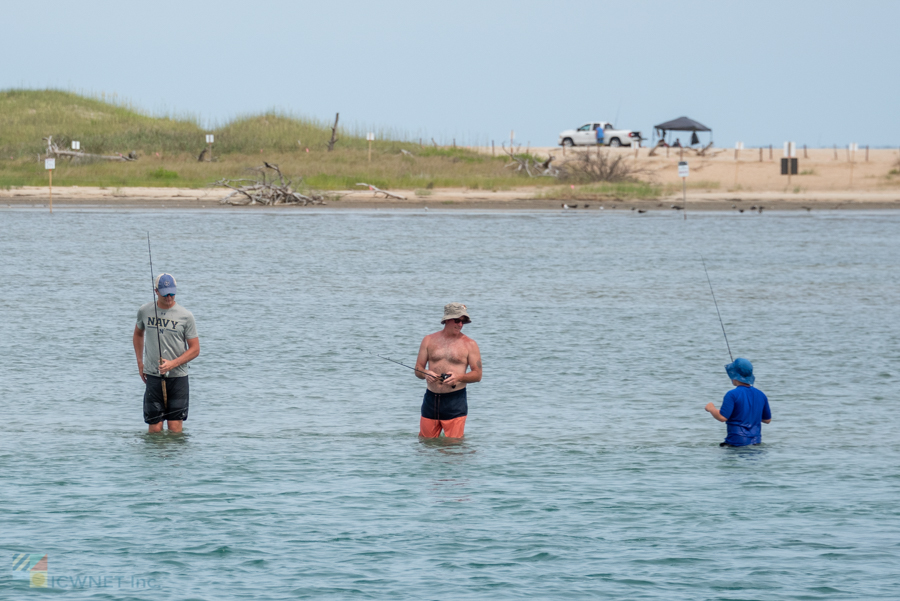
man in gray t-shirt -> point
(165, 375)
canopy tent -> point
(681, 124)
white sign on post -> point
(683, 169)
(210, 138)
(370, 136)
(76, 145)
(738, 145)
(853, 147)
(50, 164)
(790, 149)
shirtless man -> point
(445, 356)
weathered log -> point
(376, 190)
(54, 150)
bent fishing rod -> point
(717, 308)
(441, 377)
(162, 376)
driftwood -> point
(54, 150)
(590, 167)
(334, 138)
(659, 144)
(265, 189)
(376, 190)
(532, 167)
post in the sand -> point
(683, 171)
(50, 165)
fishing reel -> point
(444, 377)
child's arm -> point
(714, 411)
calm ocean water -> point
(589, 469)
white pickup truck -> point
(586, 135)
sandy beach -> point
(827, 179)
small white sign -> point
(738, 145)
(210, 138)
(76, 145)
(370, 136)
(854, 147)
(49, 163)
(683, 169)
(790, 149)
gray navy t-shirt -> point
(176, 328)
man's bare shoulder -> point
(469, 342)
(430, 337)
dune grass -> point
(168, 147)
(604, 191)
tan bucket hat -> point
(455, 311)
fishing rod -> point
(717, 308)
(441, 377)
(162, 376)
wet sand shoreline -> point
(515, 200)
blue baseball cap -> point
(165, 284)
(741, 370)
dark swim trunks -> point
(445, 406)
(177, 393)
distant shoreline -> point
(454, 198)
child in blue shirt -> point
(744, 409)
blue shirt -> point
(745, 408)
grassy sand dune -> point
(168, 148)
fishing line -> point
(162, 376)
(441, 377)
(717, 308)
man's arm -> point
(137, 339)
(190, 354)
(421, 361)
(714, 411)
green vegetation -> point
(604, 191)
(168, 148)
(161, 173)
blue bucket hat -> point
(741, 370)
(165, 284)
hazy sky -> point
(816, 72)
